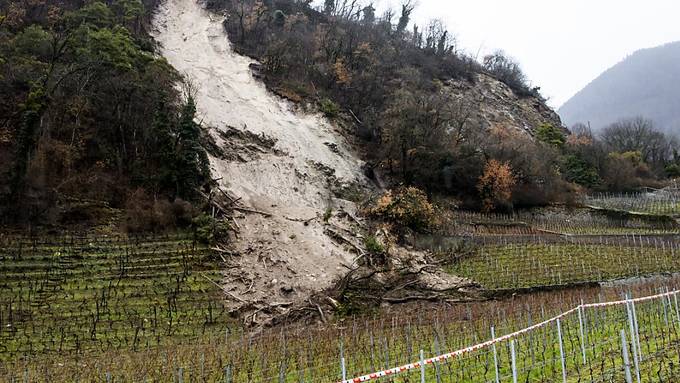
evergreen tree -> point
(192, 165)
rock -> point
(257, 70)
(498, 106)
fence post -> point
(633, 342)
(422, 366)
(513, 361)
(180, 375)
(283, 371)
(495, 353)
(626, 361)
(227, 374)
(559, 335)
(583, 339)
(108, 377)
(343, 369)
(637, 330)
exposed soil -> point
(279, 162)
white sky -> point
(561, 44)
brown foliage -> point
(496, 184)
(146, 214)
(406, 207)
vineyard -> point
(658, 202)
(570, 261)
(76, 295)
(304, 353)
(560, 286)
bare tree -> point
(638, 135)
(407, 8)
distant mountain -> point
(646, 83)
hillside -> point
(643, 84)
(297, 176)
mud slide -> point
(286, 256)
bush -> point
(209, 230)
(373, 246)
(673, 171)
(146, 214)
(579, 171)
(508, 71)
(496, 184)
(329, 108)
(406, 207)
(551, 135)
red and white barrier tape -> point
(454, 354)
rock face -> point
(494, 104)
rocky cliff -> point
(494, 104)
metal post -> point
(227, 374)
(633, 342)
(180, 375)
(495, 354)
(559, 335)
(637, 330)
(582, 333)
(342, 367)
(513, 361)
(422, 366)
(626, 361)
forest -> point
(91, 119)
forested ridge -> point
(90, 118)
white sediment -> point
(286, 184)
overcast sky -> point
(561, 44)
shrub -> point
(407, 207)
(509, 72)
(209, 230)
(329, 108)
(579, 171)
(551, 135)
(496, 184)
(673, 171)
(373, 246)
(146, 214)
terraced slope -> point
(96, 294)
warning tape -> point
(454, 354)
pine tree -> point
(192, 165)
